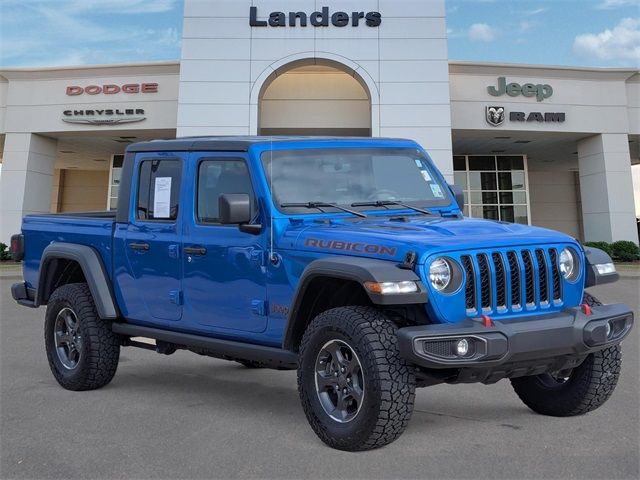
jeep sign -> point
(513, 89)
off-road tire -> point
(389, 384)
(588, 386)
(100, 350)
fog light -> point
(462, 347)
(609, 329)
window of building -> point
(217, 177)
(114, 181)
(158, 190)
(495, 186)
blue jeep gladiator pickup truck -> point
(346, 259)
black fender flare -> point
(360, 270)
(92, 268)
(595, 256)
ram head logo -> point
(495, 115)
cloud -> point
(79, 32)
(525, 26)
(536, 11)
(481, 32)
(621, 44)
(611, 4)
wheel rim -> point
(67, 338)
(339, 381)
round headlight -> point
(440, 274)
(568, 264)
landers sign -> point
(317, 19)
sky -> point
(39, 33)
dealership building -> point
(549, 146)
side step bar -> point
(270, 356)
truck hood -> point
(391, 239)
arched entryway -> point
(314, 97)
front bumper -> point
(517, 347)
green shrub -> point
(601, 245)
(5, 254)
(625, 251)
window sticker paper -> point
(426, 176)
(162, 198)
(437, 192)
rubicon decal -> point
(350, 246)
(104, 116)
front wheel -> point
(582, 390)
(356, 390)
(579, 391)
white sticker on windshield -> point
(162, 198)
(418, 163)
(437, 191)
(426, 176)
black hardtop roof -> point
(235, 143)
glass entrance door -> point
(495, 186)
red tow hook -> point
(486, 321)
(586, 309)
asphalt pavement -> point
(186, 416)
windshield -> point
(345, 176)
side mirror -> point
(459, 194)
(234, 208)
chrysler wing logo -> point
(495, 115)
(108, 116)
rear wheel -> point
(82, 350)
(575, 392)
(356, 390)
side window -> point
(216, 177)
(158, 190)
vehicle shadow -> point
(237, 390)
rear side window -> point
(159, 190)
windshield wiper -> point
(320, 205)
(385, 203)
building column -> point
(606, 188)
(26, 180)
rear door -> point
(150, 279)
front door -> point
(224, 279)
(150, 281)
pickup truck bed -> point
(94, 229)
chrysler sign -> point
(104, 116)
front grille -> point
(507, 281)
(470, 292)
(485, 281)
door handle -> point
(139, 246)
(195, 251)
